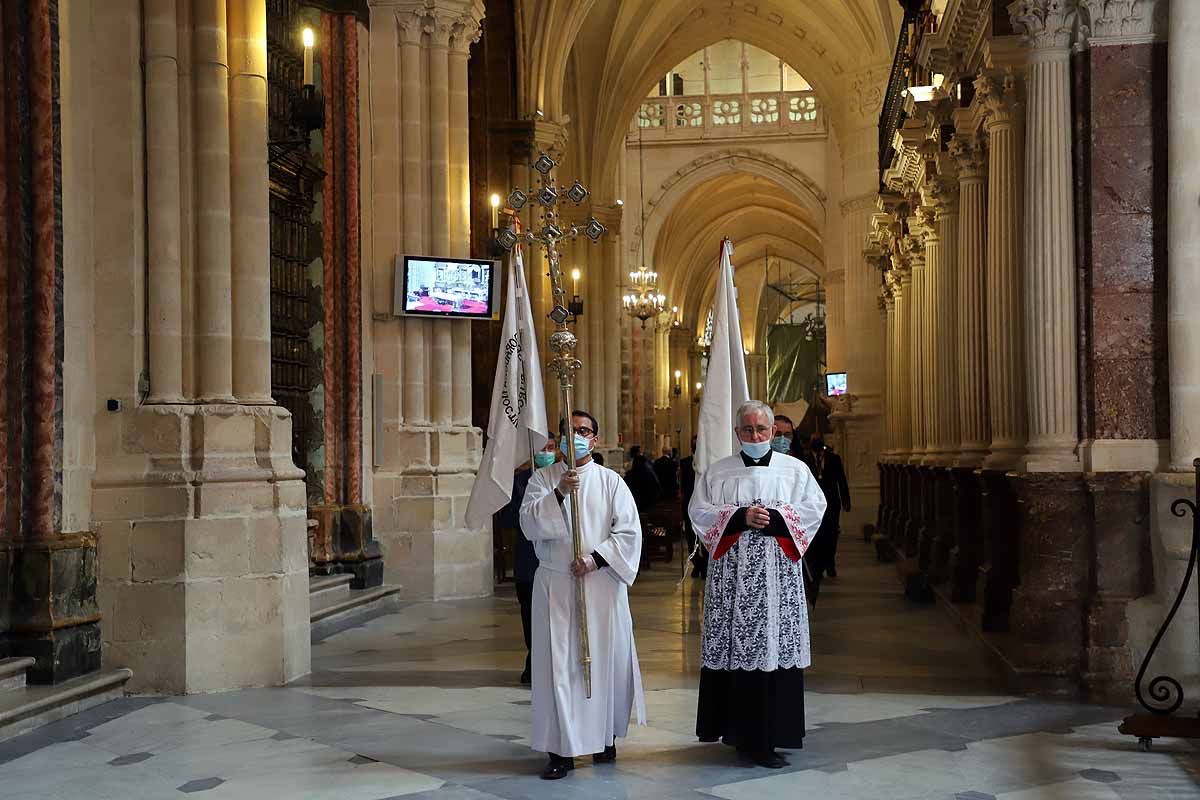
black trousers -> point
(753, 711)
(700, 562)
(525, 598)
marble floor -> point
(425, 704)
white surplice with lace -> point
(565, 721)
(755, 614)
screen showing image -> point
(835, 384)
(451, 287)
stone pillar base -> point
(1055, 550)
(928, 527)
(55, 618)
(420, 514)
(202, 550)
(998, 573)
(944, 526)
(342, 543)
(964, 557)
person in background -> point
(525, 561)
(687, 486)
(642, 483)
(827, 468)
(598, 457)
(666, 469)
(782, 443)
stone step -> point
(357, 607)
(12, 672)
(326, 589)
(30, 707)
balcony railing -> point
(729, 116)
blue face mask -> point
(543, 459)
(582, 448)
(756, 450)
(781, 444)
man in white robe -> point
(756, 512)
(566, 723)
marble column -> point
(163, 214)
(1183, 231)
(946, 302)
(891, 388)
(971, 384)
(213, 317)
(935, 338)
(1051, 330)
(904, 376)
(1003, 287)
(918, 318)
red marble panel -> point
(1124, 326)
(1122, 252)
(1128, 395)
(1123, 87)
(1123, 171)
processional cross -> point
(563, 363)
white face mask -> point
(756, 450)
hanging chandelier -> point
(644, 301)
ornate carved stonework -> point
(999, 94)
(971, 154)
(1110, 22)
(1046, 24)
(865, 96)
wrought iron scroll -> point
(1163, 688)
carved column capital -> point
(1112, 22)
(1000, 96)
(970, 153)
(1046, 24)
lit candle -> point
(308, 57)
(495, 211)
(575, 280)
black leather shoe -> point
(525, 678)
(607, 757)
(557, 768)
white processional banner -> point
(725, 386)
(517, 423)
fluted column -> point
(213, 320)
(250, 223)
(835, 315)
(163, 220)
(465, 33)
(1051, 329)
(891, 388)
(946, 303)
(1183, 231)
(905, 378)
(1005, 336)
(918, 321)
(935, 335)
(971, 383)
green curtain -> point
(793, 364)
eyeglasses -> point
(750, 430)
(585, 431)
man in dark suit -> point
(666, 469)
(827, 468)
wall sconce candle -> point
(495, 201)
(309, 40)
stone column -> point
(1051, 328)
(213, 319)
(460, 212)
(163, 214)
(935, 338)
(250, 223)
(1006, 372)
(607, 309)
(1183, 232)
(904, 376)
(971, 383)
(835, 315)
(439, 203)
(947, 304)
(918, 318)
(415, 359)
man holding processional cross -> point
(580, 517)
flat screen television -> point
(447, 287)
(835, 384)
